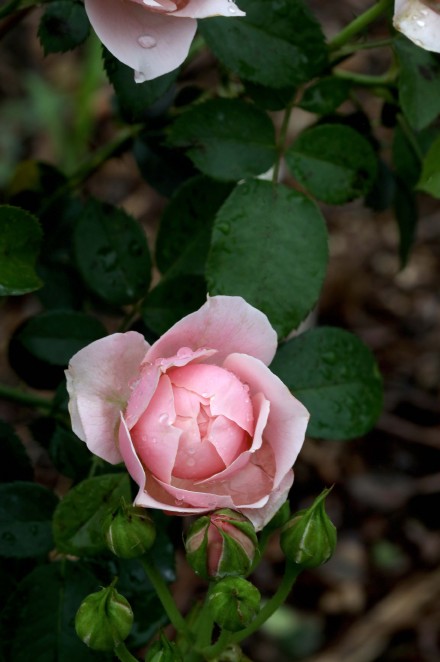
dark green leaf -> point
(112, 253)
(57, 335)
(69, 454)
(63, 26)
(325, 96)
(334, 162)
(226, 139)
(20, 238)
(335, 376)
(185, 229)
(270, 98)
(15, 464)
(405, 207)
(77, 523)
(25, 519)
(33, 371)
(406, 162)
(269, 245)
(419, 82)
(15, 5)
(429, 181)
(278, 43)
(135, 100)
(38, 622)
(163, 168)
(172, 299)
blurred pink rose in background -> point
(419, 20)
(152, 36)
(198, 418)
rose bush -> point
(152, 36)
(198, 418)
(419, 20)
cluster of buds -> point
(221, 544)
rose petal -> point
(262, 515)
(195, 461)
(227, 395)
(288, 418)
(205, 8)
(154, 437)
(419, 22)
(144, 388)
(151, 43)
(228, 324)
(98, 382)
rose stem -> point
(166, 598)
(359, 24)
(16, 395)
(291, 573)
(122, 653)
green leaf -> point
(335, 376)
(25, 519)
(164, 169)
(38, 622)
(406, 162)
(405, 208)
(270, 98)
(429, 181)
(279, 43)
(20, 239)
(334, 162)
(226, 139)
(269, 245)
(418, 83)
(135, 100)
(15, 464)
(172, 299)
(185, 228)
(16, 5)
(69, 454)
(325, 96)
(77, 523)
(112, 253)
(57, 335)
(63, 26)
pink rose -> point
(419, 20)
(198, 418)
(152, 36)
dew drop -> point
(225, 228)
(232, 9)
(184, 352)
(178, 502)
(421, 24)
(147, 41)
(190, 461)
(154, 440)
(163, 418)
(205, 394)
(191, 450)
(139, 77)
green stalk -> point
(16, 395)
(122, 653)
(359, 24)
(282, 141)
(291, 573)
(366, 80)
(166, 598)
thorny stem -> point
(166, 598)
(359, 24)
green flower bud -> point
(104, 619)
(309, 538)
(221, 544)
(163, 651)
(234, 603)
(129, 532)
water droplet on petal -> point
(163, 418)
(184, 352)
(190, 461)
(139, 77)
(232, 9)
(421, 24)
(191, 450)
(154, 440)
(205, 394)
(178, 502)
(147, 41)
